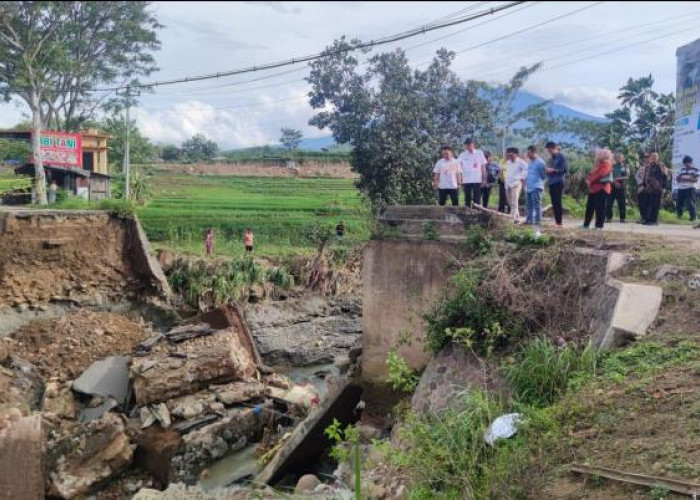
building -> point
(76, 161)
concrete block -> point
(636, 309)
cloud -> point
(254, 125)
(208, 33)
(278, 6)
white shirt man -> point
(516, 174)
(447, 177)
(473, 164)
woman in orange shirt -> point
(599, 183)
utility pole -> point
(126, 161)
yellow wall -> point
(96, 143)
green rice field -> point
(277, 209)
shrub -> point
(470, 317)
(478, 241)
(401, 377)
(543, 372)
(430, 231)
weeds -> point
(401, 377)
(471, 317)
(430, 231)
(347, 441)
(543, 372)
(205, 285)
(478, 241)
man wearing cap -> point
(473, 164)
(556, 174)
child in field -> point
(209, 241)
(248, 240)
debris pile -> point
(171, 403)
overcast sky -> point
(587, 56)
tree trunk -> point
(39, 175)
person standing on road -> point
(642, 198)
(686, 179)
(536, 174)
(493, 171)
(598, 181)
(447, 177)
(503, 205)
(652, 187)
(556, 175)
(515, 180)
(473, 165)
(620, 175)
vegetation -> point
(543, 372)
(346, 440)
(203, 284)
(279, 210)
(472, 319)
(401, 377)
(74, 47)
(291, 139)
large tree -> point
(395, 118)
(52, 54)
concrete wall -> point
(401, 281)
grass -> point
(277, 209)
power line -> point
(520, 31)
(289, 62)
(690, 18)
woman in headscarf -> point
(599, 182)
(653, 182)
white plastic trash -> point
(503, 427)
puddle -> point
(232, 468)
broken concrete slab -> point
(95, 452)
(21, 460)
(239, 392)
(155, 450)
(107, 378)
(203, 446)
(186, 332)
(635, 310)
(200, 362)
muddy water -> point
(232, 468)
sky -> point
(589, 49)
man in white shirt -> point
(473, 164)
(516, 174)
(447, 177)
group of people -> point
(476, 173)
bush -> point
(401, 377)
(470, 317)
(543, 372)
(478, 241)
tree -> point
(503, 96)
(199, 148)
(291, 139)
(170, 152)
(395, 118)
(140, 148)
(14, 149)
(53, 53)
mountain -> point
(522, 101)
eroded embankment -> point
(52, 260)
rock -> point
(401, 493)
(279, 381)
(343, 363)
(306, 484)
(90, 414)
(368, 432)
(59, 400)
(239, 392)
(216, 358)
(448, 374)
(95, 453)
(217, 407)
(665, 271)
(108, 378)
